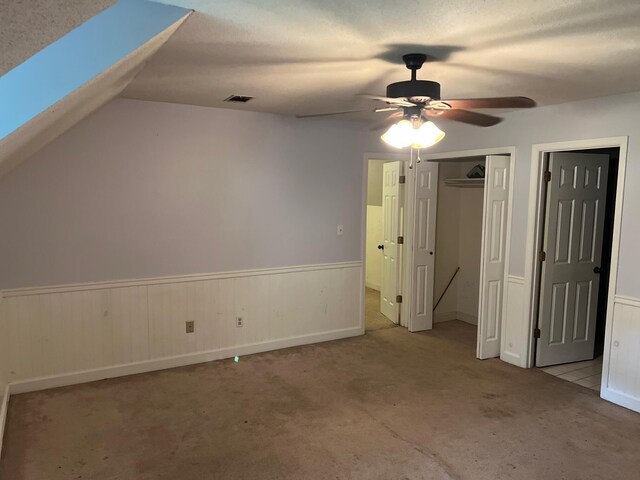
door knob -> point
(596, 269)
(380, 247)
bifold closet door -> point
(424, 246)
(492, 267)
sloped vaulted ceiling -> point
(79, 72)
(308, 56)
(28, 26)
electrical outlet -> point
(191, 327)
(239, 322)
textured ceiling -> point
(310, 56)
(28, 26)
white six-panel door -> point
(391, 230)
(492, 268)
(424, 241)
(574, 223)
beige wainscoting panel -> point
(621, 366)
(513, 348)
(70, 334)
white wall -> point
(375, 237)
(144, 189)
(4, 388)
(447, 242)
(375, 232)
(469, 249)
(374, 182)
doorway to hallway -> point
(384, 245)
(373, 317)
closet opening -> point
(459, 247)
(460, 214)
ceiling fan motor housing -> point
(414, 88)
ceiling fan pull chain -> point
(411, 158)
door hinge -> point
(400, 240)
(536, 333)
(398, 298)
(402, 179)
(547, 176)
(542, 256)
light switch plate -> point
(340, 229)
(190, 326)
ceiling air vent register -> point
(238, 98)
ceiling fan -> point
(417, 101)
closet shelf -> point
(465, 182)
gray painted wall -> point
(149, 186)
(143, 189)
(597, 118)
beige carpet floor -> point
(374, 320)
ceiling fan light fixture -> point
(399, 135)
(405, 133)
(427, 135)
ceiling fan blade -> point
(387, 109)
(393, 118)
(332, 113)
(465, 116)
(497, 102)
(402, 102)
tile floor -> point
(586, 374)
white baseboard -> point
(4, 405)
(447, 316)
(373, 286)
(74, 378)
(470, 319)
(632, 403)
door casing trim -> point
(534, 235)
(389, 157)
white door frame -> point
(534, 236)
(483, 348)
(483, 152)
(390, 157)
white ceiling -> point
(28, 26)
(311, 56)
